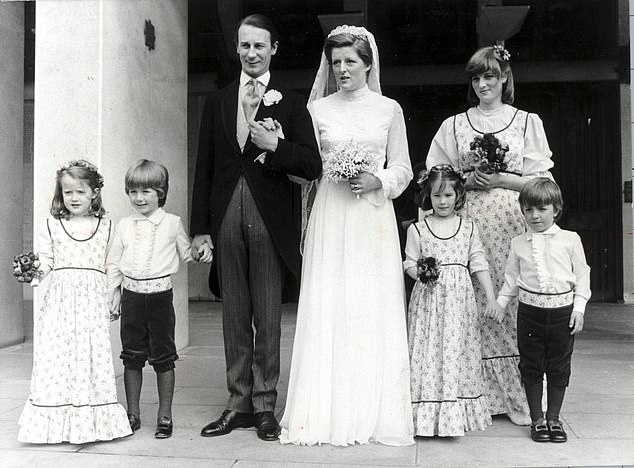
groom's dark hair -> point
(259, 21)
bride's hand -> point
(483, 181)
(364, 182)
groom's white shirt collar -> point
(263, 79)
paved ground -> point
(598, 414)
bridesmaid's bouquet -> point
(428, 269)
(347, 160)
(26, 267)
(488, 154)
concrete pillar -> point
(111, 87)
(624, 37)
(11, 136)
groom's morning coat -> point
(220, 164)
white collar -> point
(262, 79)
(155, 218)
(554, 229)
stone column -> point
(11, 136)
(625, 38)
(111, 87)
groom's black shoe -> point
(268, 427)
(227, 423)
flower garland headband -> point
(501, 53)
(86, 165)
(356, 31)
(447, 168)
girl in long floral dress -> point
(492, 204)
(442, 251)
(73, 397)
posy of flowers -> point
(428, 269)
(347, 160)
(26, 267)
(488, 154)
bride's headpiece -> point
(325, 83)
(355, 31)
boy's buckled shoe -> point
(557, 433)
(539, 431)
(164, 428)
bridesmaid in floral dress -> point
(73, 397)
(492, 203)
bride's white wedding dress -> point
(349, 380)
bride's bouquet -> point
(488, 154)
(428, 269)
(347, 160)
(26, 267)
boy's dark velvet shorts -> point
(147, 330)
(545, 344)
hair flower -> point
(501, 52)
(272, 96)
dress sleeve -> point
(396, 176)
(412, 247)
(443, 148)
(477, 258)
(113, 271)
(45, 248)
(537, 154)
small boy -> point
(547, 269)
(144, 254)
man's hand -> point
(263, 135)
(205, 253)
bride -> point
(349, 380)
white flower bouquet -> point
(347, 160)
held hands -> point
(494, 311)
(364, 182)
(264, 133)
(202, 250)
(576, 322)
(114, 300)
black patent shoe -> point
(557, 433)
(226, 423)
(268, 427)
(539, 431)
(164, 428)
(135, 422)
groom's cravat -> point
(250, 102)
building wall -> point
(11, 136)
(102, 94)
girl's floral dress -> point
(73, 396)
(444, 339)
(499, 218)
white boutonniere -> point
(272, 96)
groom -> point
(254, 134)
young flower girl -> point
(442, 251)
(73, 396)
